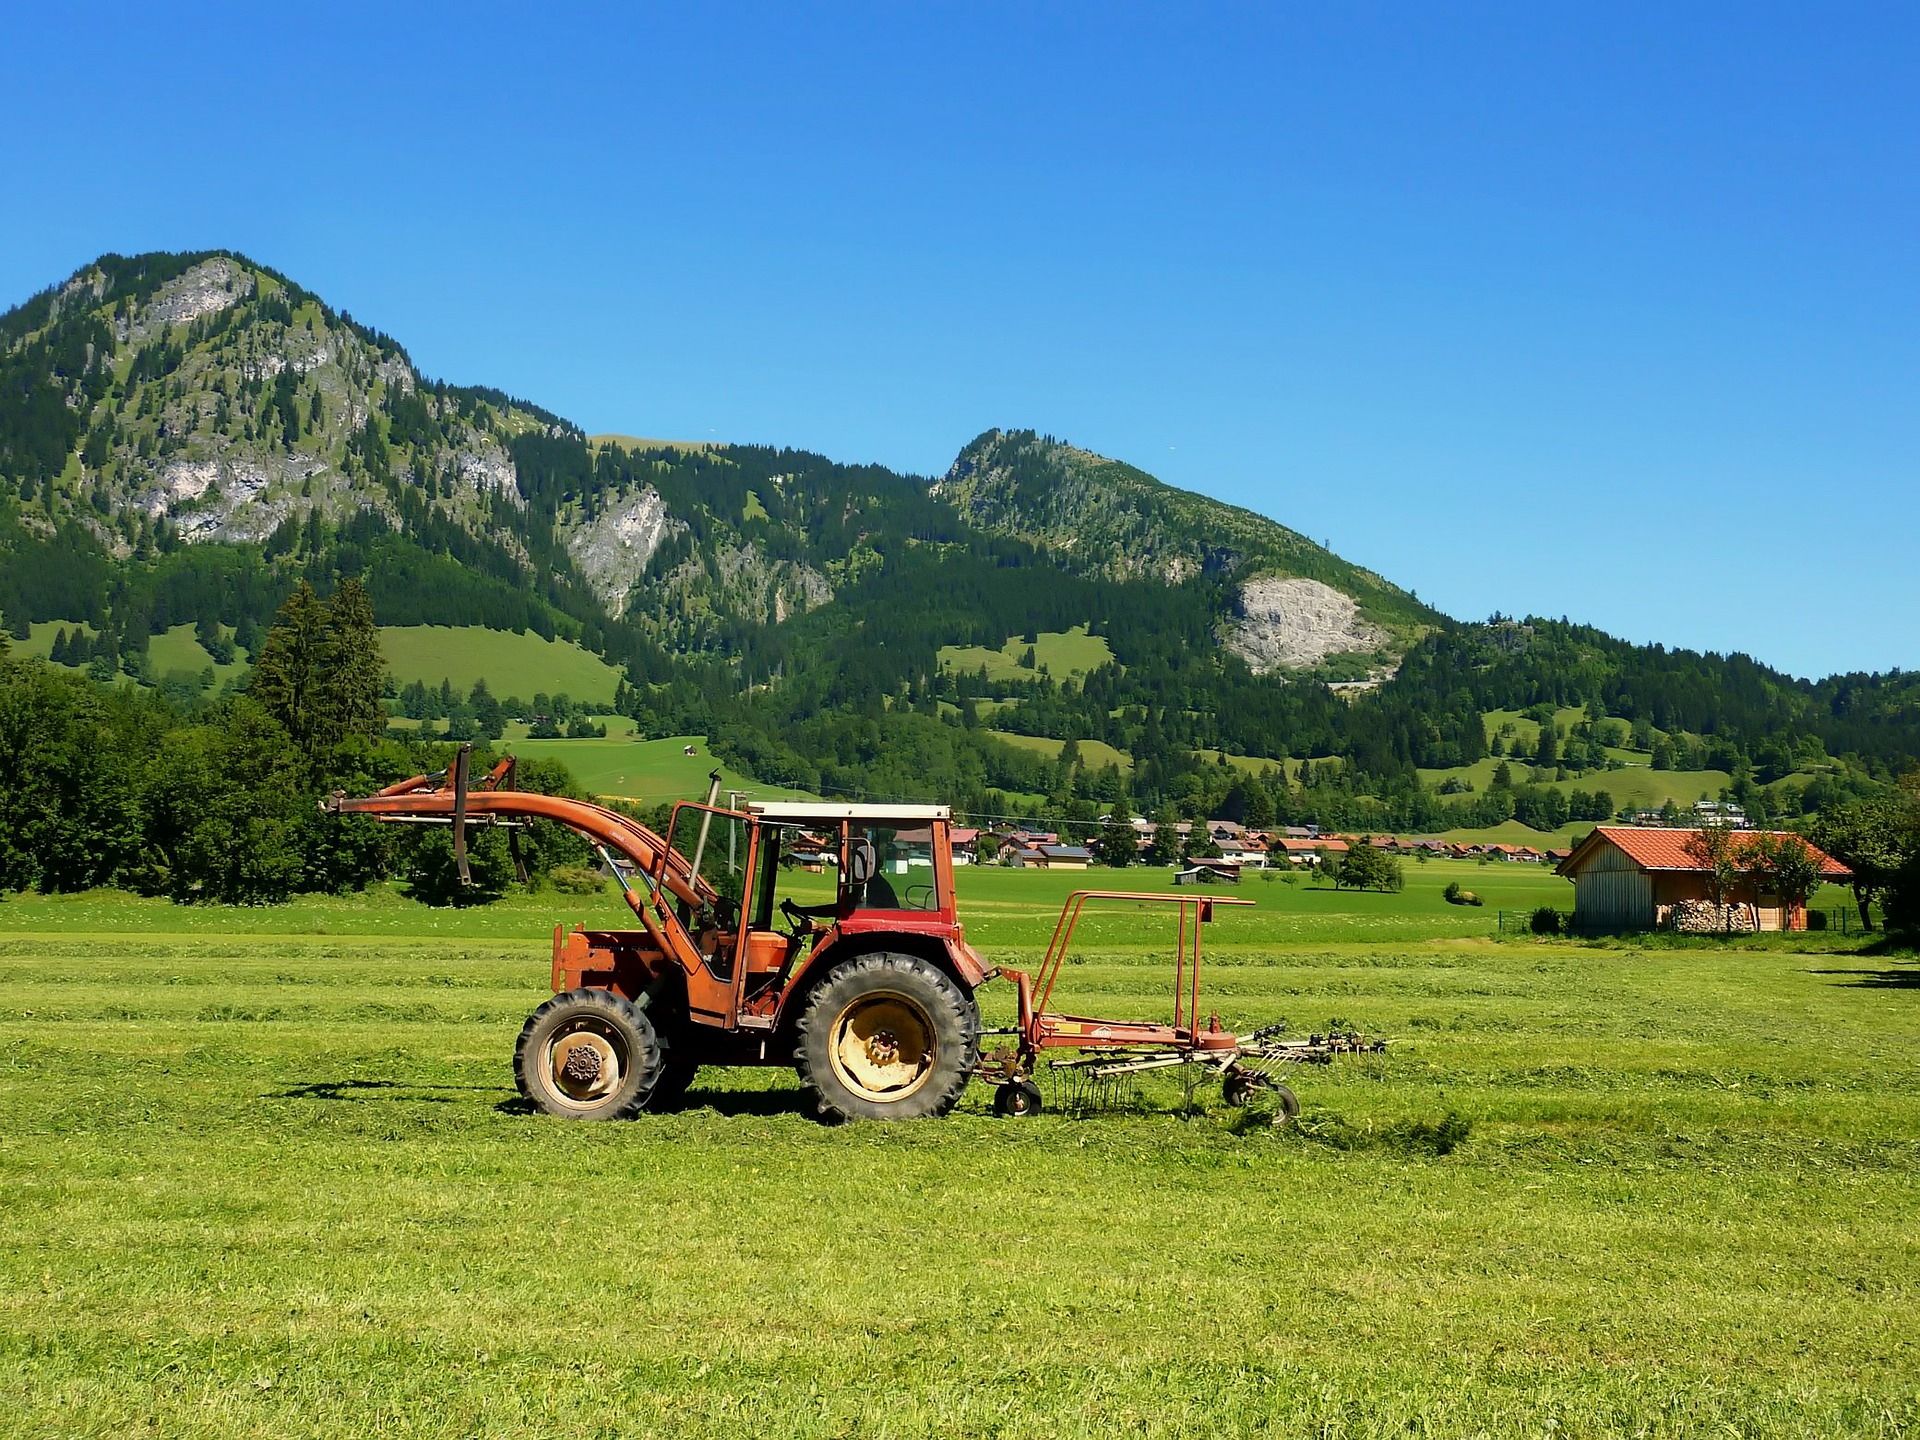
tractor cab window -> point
(715, 841)
(899, 874)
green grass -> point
(175, 649)
(264, 1174)
(40, 643)
(522, 665)
(1252, 764)
(1635, 785)
(1527, 732)
(178, 649)
(1064, 653)
(1096, 754)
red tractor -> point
(870, 997)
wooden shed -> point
(1631, 878)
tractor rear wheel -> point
(588, 1055)
(887, 1037)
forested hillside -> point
(186, 438)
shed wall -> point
(1611, 892)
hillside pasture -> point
(39, 641)
(265, 1173)
(1064, 654)
(1254, 765)
(1638, 785)
(179, 649)
(645, 771)
(522, 665)
(1094, 754)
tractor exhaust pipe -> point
(706, 818)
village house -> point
(1248, 850)
(963, 840)
(1628, 878)
(1059, 857)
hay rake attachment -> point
(1111, 1054)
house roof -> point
(1066, 852)
(823, 811)
(1666, 849)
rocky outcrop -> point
(1286, 624)
(209, 286)
(234, 497)
(771, 589)
(489, 468)
(615, 547)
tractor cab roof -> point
(822, 812)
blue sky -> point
(1605, 311)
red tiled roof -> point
(1664, 849)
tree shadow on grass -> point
(1876, 979)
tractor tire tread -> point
(955, 1015)
(633, 1094)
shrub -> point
(1546, 921)
(577, 880)
(1454, 895)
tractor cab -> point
(892, 870)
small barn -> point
(1631, 878)
(1206, 872)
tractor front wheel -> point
(887, 1037)
(588, 1055)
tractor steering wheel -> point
(798, 918)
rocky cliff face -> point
(226, 401)
(614, 548)
(1296, 603)
(1295, 624)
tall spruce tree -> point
(320, 672)
(356, 671)
(290, 672)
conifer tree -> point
(356, 672)
(290, 672)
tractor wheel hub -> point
(582, 1065)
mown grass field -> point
(263, 1174)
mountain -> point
(184, 437)
(1294, 602)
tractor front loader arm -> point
(447, 798)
